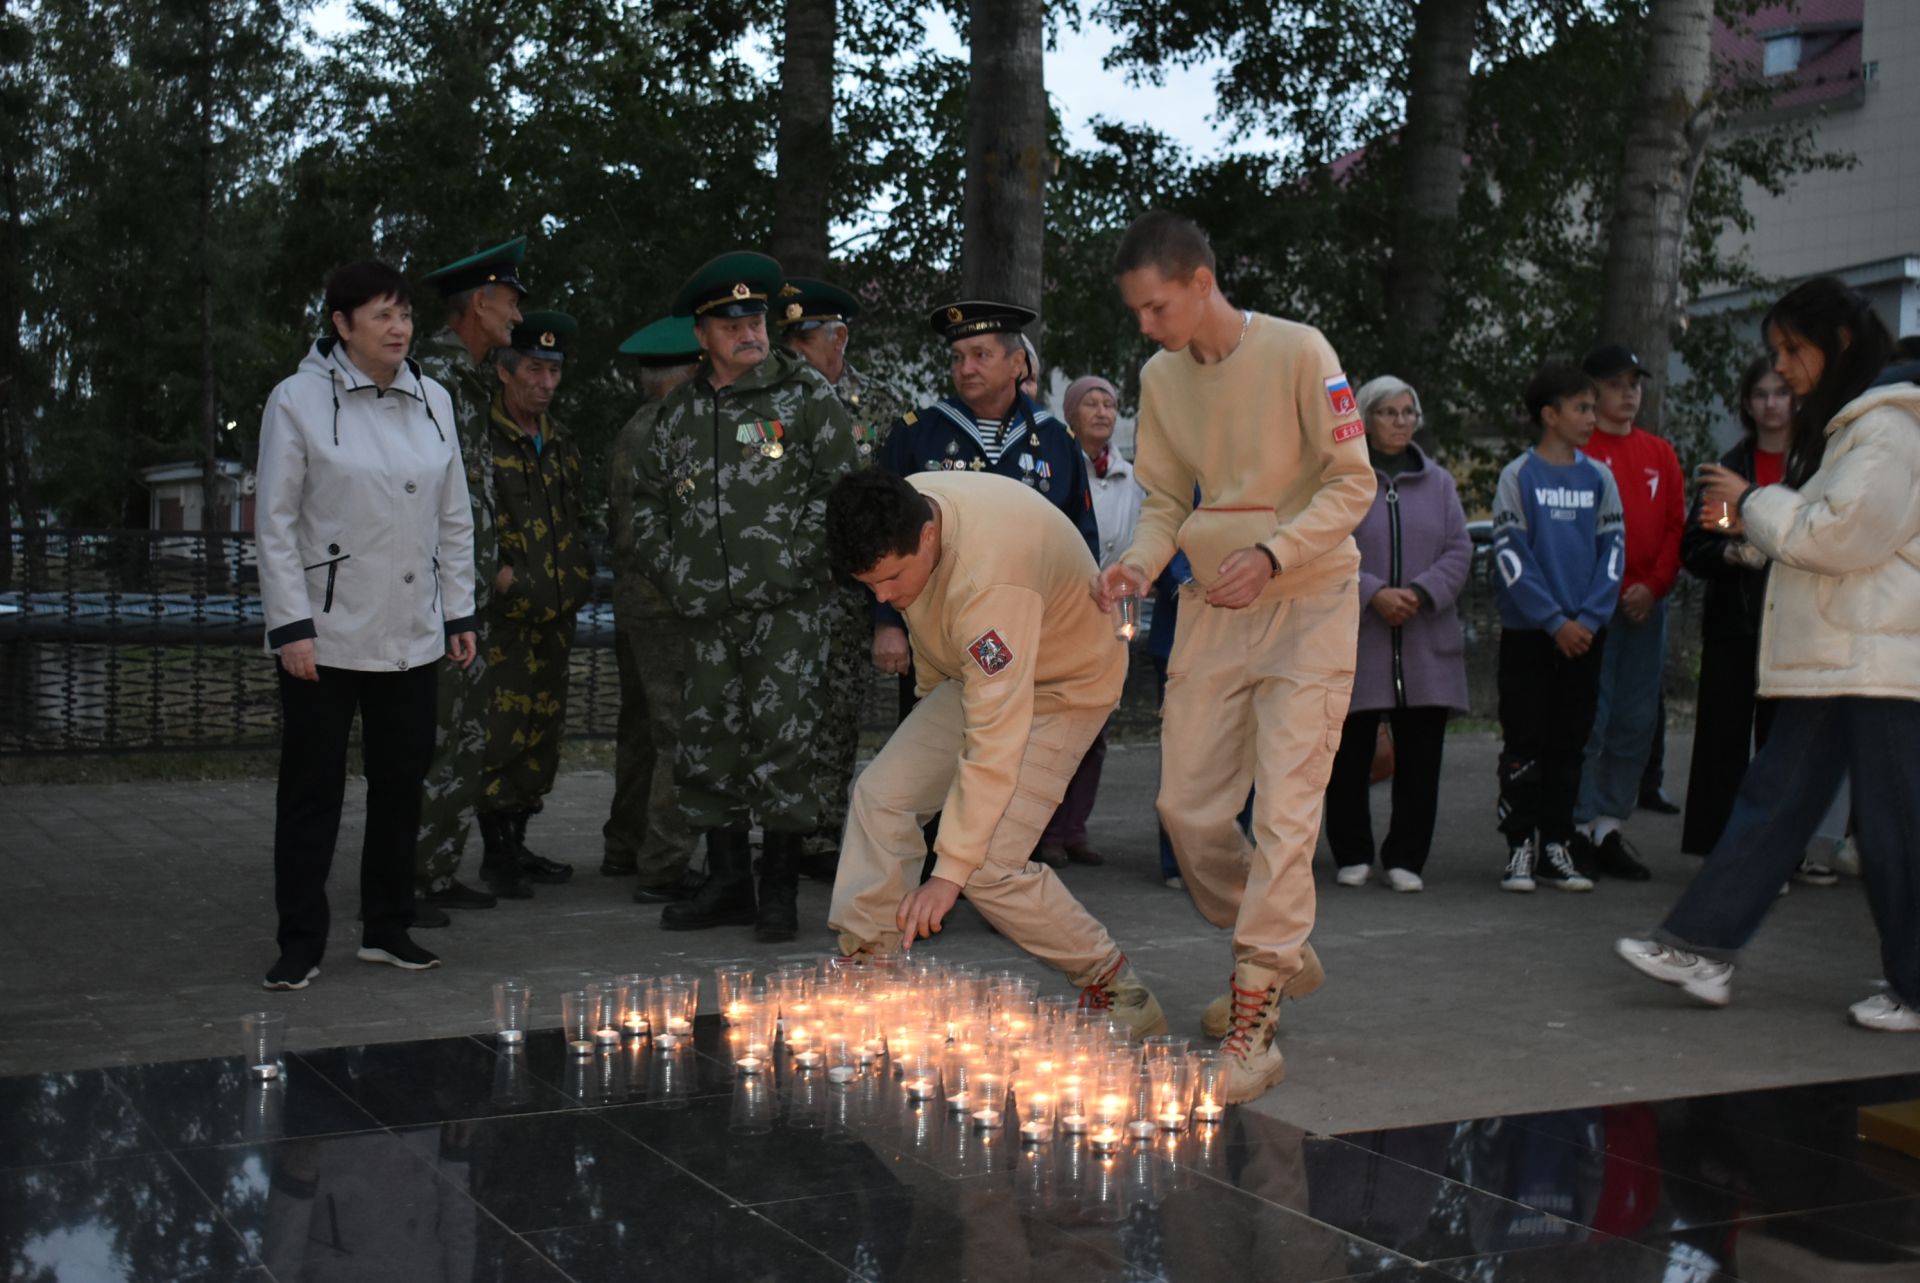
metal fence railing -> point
(135, 640)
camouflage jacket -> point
(540, 502)
(634, 596)
(443, 358)
(872, 405)
(730, 494)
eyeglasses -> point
(1397, 413)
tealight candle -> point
(1104, 1140)
(919, 1088)
(1206, 1111)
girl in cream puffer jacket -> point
(1839, 651)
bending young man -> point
(1017, 673)
(1255, 412)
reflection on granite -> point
(451, 1160)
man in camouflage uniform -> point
(546, 571)
(482, 293)
(813, 317)
(729, 506)
(645, 833)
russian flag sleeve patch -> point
(1340, 396)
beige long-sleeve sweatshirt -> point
(1272, 437)
(1006, 614)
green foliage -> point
(633, 138)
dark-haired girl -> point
(1839, 651)
(366, 579)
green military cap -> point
(544, 334)
(965, 319)
(497, 266)
(804, 304)
(734, 284)
(668, 341)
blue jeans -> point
(1624, 716)
(1786, 791)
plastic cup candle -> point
(1126, 617)
(512, 1003)
(603, 1001)
(1073, 1104)
(1036, 1107)
(1209, 1082)
(633, 1005)
(576, 1019)
(262, 1035)
(989, 1092)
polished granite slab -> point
(445, 1159)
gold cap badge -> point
(793, 311)
(954, 314)
(740, 290)
(546, 338)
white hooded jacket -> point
(364, 532)
(1842, 612)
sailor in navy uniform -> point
(987, 425)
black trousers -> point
(1728, 716)
(1419, 736)
(396, 733)
(1546, 713)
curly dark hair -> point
(872, 514)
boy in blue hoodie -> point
(1559, 544)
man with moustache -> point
(482, 294)
(730, 499)
(545, 573)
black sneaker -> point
(397, 951)
(290, 974)
(1656, 800)
(1614, 859)
(457, 895)
(428, 917)
(1557, 869)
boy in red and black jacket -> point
(1652, 493)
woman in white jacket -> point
(1839, 650)
(366, 577)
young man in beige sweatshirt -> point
(1256, 414)
(1017, 673)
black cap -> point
(544, 335)
(1610, 359)
(499, 265)
(731, 285)
(971, 317)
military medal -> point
(953, 448)
(977, 464)
(1046, 474)
(683, 487)
(762, 435)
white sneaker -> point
(1703, 978)
(1174, 883)
(1885, 1013)
(1405, 880)
(1519, 874)
(1846, 859)
(1353, 875)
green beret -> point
(964, 320)
(497, 266)
(734, 284)
(668, 341)
(804, 304)
(544, 335)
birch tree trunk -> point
(1674, 118)
(1004, 210)
(804, 168)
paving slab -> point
(1459, 1002)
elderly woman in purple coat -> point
(1411, 667)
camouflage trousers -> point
(645, 828)
(453, 780)
(526, 713)
(849, 679)
(746, 754)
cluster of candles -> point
(985, 1045)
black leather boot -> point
(537, 868)
(779, 918)
(725, 899)
(500, 863)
